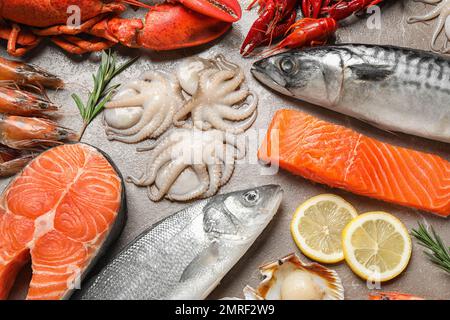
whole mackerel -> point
(393, 88)
(187, 254)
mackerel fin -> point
(208, 256)
(369, 72)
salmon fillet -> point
(342, 158)
(59, 212)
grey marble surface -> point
(421, 277)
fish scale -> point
(139, 257)
(392, 88)
(185, 255)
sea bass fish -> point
(393, 88)
(187, 254)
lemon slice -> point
(317, 227)
(377, 246)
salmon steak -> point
(342, 158)
(62, 211)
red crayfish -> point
(277, 19)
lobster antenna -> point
(137, 3)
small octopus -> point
(190, 164)
(143, 108)
(442, 11)
(218, 96)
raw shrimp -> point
(32, 133)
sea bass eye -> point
(251, 197)
(287, 65)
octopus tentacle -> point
(218, 97)
(220, 123)
(160, 145)
(140, 87)
(247, 123)
(183, 113)
(227, 157)
(165, 124)
(442, 11)
(234, 83)
(238, 114)
(232, 141)
(158, 95)
(210, 154)
(437, 31)
(137, 100)
(175, 168)
(227, 172)
(149, 113)
(149, 176)
(430, 15)
(234, 97)
(223, 63)
(446, 49)
(145, 132)
(202, 125)
(202, 187)
(221, 77)
(214, 171)
(428, 1)
(197, 120)
(153, 76)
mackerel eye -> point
(251, 197)
(287, 65)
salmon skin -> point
(62, 212)
(340, 157)
(393, 88)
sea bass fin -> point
(208, 257)
(368, 72)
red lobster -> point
(171, 25)
(319, 23)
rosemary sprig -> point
(102, 91)
(437, 251)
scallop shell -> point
(274, 273)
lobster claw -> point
(167, 27)
(223, 10)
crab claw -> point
(224, 10)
